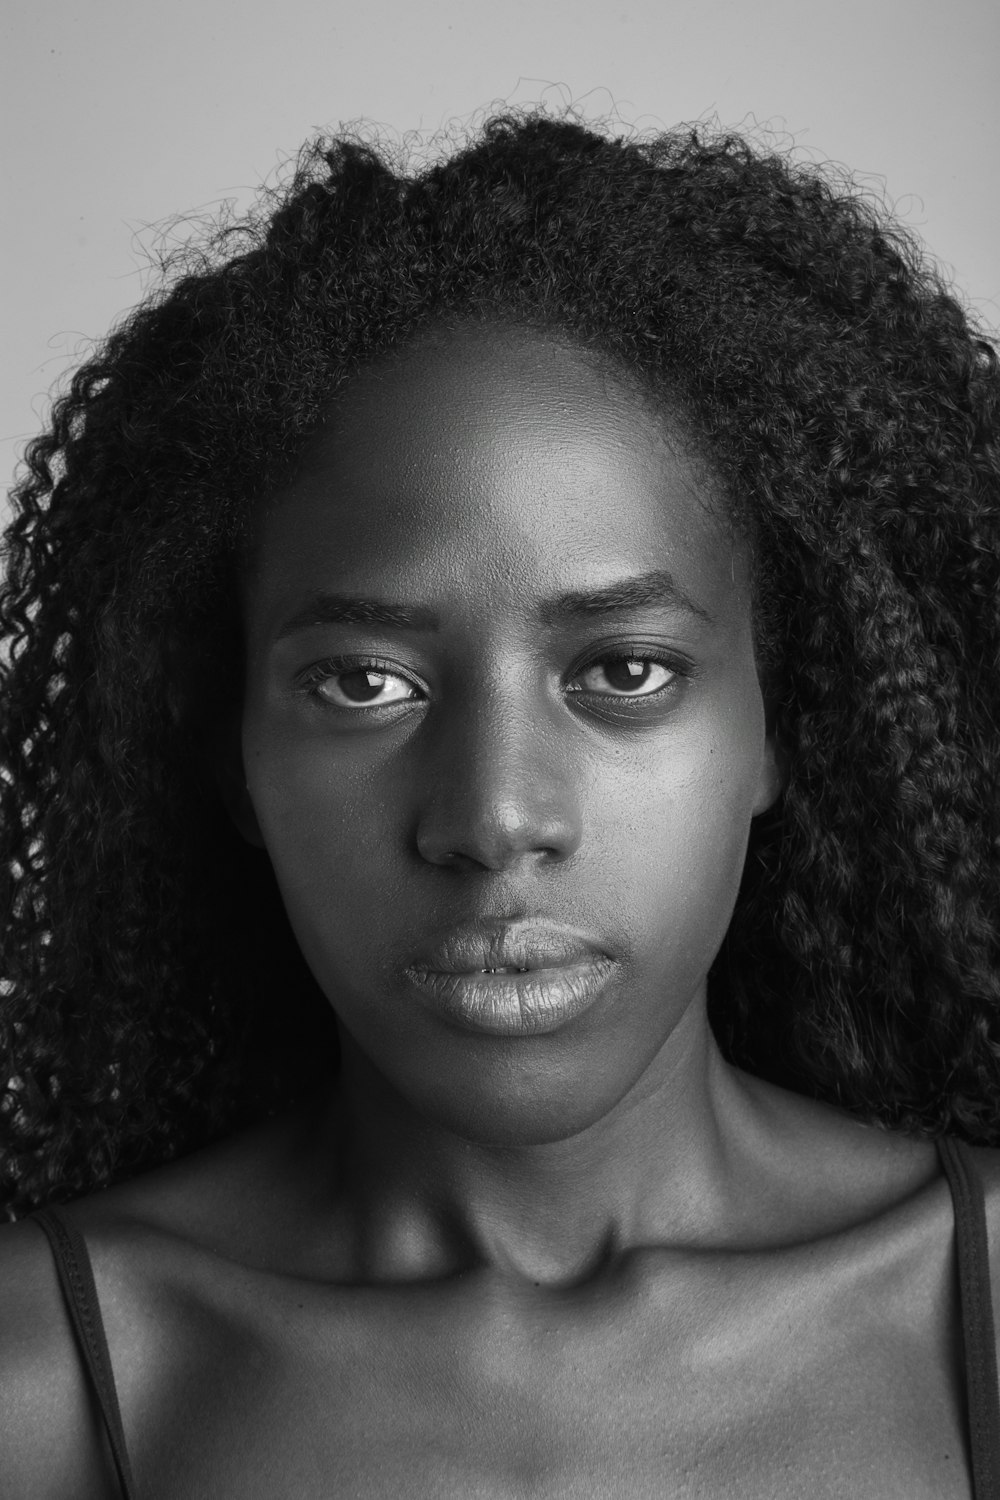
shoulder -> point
(829, 1172)
(50, 1442)
(165, 1248)
(240, 1200)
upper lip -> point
(528, 944)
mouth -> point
(507, 948)
(511, 979)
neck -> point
(656, 1170)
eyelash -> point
(312, 679)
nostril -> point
(466, 833)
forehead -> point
(500, 456)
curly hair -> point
(152, 992)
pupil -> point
(362, 686)
(627, 675)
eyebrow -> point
(349, 609)
(658, 588)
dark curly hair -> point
(152, 993)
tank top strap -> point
(76, 1278)
(976, 1308)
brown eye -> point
(364, 687)
(625, 676)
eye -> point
(358, 685)
(626, 677)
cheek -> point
(674, 829)
(333, 827)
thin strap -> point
(976, 1304)
(76, 1278)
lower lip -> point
(526, 1004)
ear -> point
(226, 756)
(774, 766)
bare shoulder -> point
(50, 1442)
(163, 1247)
(827, 1171)
(240, 1199)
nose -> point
(500, 790)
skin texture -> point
(478, 477)
(577, 1265)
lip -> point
(553, 974)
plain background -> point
(123, 114)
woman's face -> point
(502, 712)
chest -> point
(723, 1384)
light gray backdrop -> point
(123, 113)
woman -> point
(500, 781)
